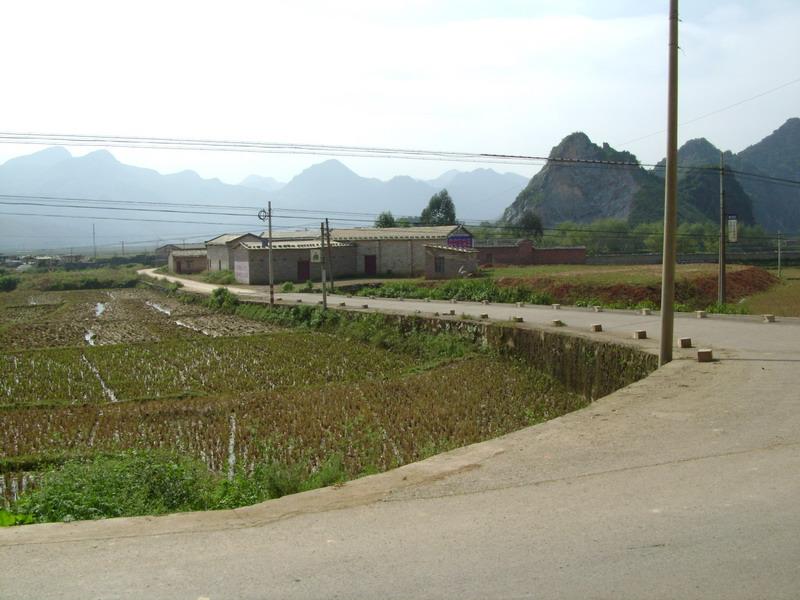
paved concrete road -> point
(684, 485)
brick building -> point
(389, 250)
(291, 261)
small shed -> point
(188, 261)
(446, 262)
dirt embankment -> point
(695, 292)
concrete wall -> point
(453, 262)
(220, 257)
(252, 266)
(396, 257)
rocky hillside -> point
(583, 193)
(580, 193)
(776, 206)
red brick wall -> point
(559, 256)
(521, 254)
(526, 254)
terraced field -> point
(105, 371)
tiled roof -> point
(189, 253)
(452, 249)
(395, 233)
(227, 238)
(290, 245)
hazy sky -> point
(475, 76)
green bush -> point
(133, 483)
(156, 482)
(223, 299)
(8, 283)
(271, 479)
(287, 287)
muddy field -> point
(31, 320)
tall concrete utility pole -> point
(266, 215)
(721, 295)
(330, 257)
(94, 243)
(780, 243)
(269, 257)
(322, 265)
(670, 195)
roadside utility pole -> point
(670, 195)
(266, 215)
(269, 256)
(322, 265)
(330, 256)
(721, 295)
(780, 243)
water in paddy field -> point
(99, 309)
(192, 327)
(158, 307)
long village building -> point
(371, 252)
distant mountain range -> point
(145, 207)
(147, 198)
(586, 192)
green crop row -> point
(372, 423)
(200, 366)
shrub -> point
(8, 283)
(224, 299)
(133, 483)
(287, 287)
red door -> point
(303, 270)
(370, 264)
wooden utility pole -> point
(322, 265)
(269, 256)
(670, 195)
(780, 243)
(721, 295)
(330, 254)
(94, 243)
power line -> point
(717, 111)
(293, 148)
